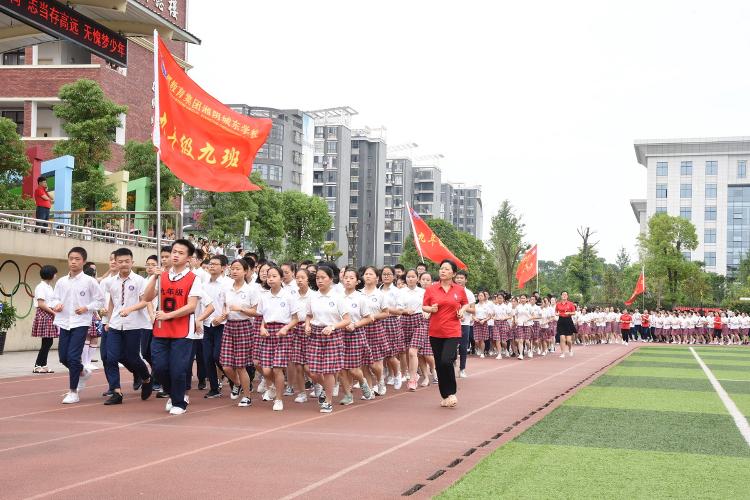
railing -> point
(116, 227)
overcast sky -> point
(539, 102)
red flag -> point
(205, 144)
(640, 287)
(428, 244)
(527, 267)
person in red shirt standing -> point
(43, 202)
(565, 326)
(625, 321)
(446, 303)
(646, 326)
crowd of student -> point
(311, 330)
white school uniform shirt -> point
(491, 313)
(291, 286)
(536, 312)
(355, 304)
(43, 291)
(468, 318)
(338, 288)
(104, 285)
(202, 274)
(503, 311)
(522, 313)
(411, 299)
(601, 319)
(481, 311)
(133, 286)
(745, 321)
(656, 321)
(215, 290)
(326, 309)
(375, 301)
(279, 308)
(390, 297)
(245, 296)
(304, 302)
(734, 323)
(74, 292)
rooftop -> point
(690, 146)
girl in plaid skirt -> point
(392, 325)
(278, 316)
(376, 336)
(410, 303)
(356, 350)
(481, 317)
(297, 359)
(236, 342)
(42, 326)
(326, 316)
(421, 339)
(524, 322)
(501, 333)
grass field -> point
(651, 427)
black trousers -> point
(41, 357)
(625, 335)
(445, 357)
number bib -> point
(174, 295)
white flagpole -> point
(157, 142)
(537, 272)
(414, 233)
(643, 294)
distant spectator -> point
(43, 202)
(220, 249)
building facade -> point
(706, 181)
(399, 188)
(427, 191)
(367, 201)
(461, 205)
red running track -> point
(376, 449)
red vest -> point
(174, 295)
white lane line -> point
(739, 419)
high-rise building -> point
(463, 207)
(398, 193)
(367, 197)
(704, 180)
(427, 191)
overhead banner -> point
(59, 20)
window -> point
(16, 116)
(355, 158)
(355, 145)
(661, 210)
(686, 190)
(268, 172)
(709, 259)
(297, 157)
(709, 236)
(319, 132)
(710, 191)
(712, 167)
(661, 190)
(331, 133)
(741, 169)
(330, 191)
(331, 205)
(686, 168)
(319, 148)
(686, 212)
(14, 58)
(332, 147)
(330, 176)
(686, 255)
(277, 132)
(662, 168)
(297, 137)
(710, 213)
(275, 152)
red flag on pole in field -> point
(527, 268)
(428, 244)
(640, 287)
(202, 141)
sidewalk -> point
(21, 363)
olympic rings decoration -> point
(18, 285)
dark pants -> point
(43, 214)
(463, 346)
(41, 357)
(127, 344)
(171, 358)
(146, 336)
(445, 358)
(625, 335)
(211, 347)
(196, 354)
(70, 349)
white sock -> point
(92, 352)
(86, 355)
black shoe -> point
(114, 399)
(157, 386)
(107, 394)
(202, 386)
(308, 385)
(212, 394)
(137, 384)
(162, 395)
(147, 389)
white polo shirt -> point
(126, 292)
(523, 315)
(326, 309)
(74, 292)
(410, 299)
(244, 297)
(279, 308)
(215, 290)
(355, 303)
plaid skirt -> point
(299, 345)
(522, 333)
(255, 335)
(273, 351)
(377, 340)
(395, 335)
(421, 339)
(236, 344)
(42, 326)
(356, 350)
(501, 331)
(658, 331)
(409, 325)
(95, 327)
(481, 332)
(536, 331)
(325, 354)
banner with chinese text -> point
(206, 144)
(427, 242)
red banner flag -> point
(205, 143)
(428, 244)
(640, 287)
(527, 267)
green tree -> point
(506, 243)
(140, 161)
(622, 260)
(662, 247)
(89, 119)
(13, 166)
(330, 251)
(585, 265)
(306, 222)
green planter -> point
(7, 320)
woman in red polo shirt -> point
(565, 327)
(446, 303)
(625, 321)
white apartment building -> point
(706, 181)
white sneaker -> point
(278, 405)
(83, 378)
(625, 343)
(520, 356)
(389, 381)
(355, 385)
(462, 374)
(245, 401)
(481, 356)
(267, 396)
(262, 386)
(562, 355)
(336, 390)
(405, 378)
(70, 398)
(288, 391)
(176, 410)
(91, 366)
(301, 398)
(382, 388)
(317, 389)
(531, 354)
(571, 354)
(499, 356)
(168, 407)
(397, 381)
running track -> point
(377, 449)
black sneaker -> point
(114, 399)
(107, 394)
(147, 389)
(212, 394)
(202, 386)
(162, 395)
(137, 384)
(308, 385)
(322, 397)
